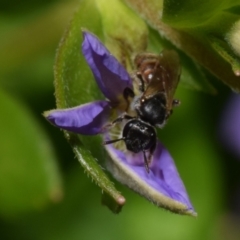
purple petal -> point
(86, 119)
(162, 185)
(110, 75)
(230, 125)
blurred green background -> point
(44, 193)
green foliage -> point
(75, 85)
(202, 30)
(74, 82)
(30, 182)
(29, 177)
(190, 14)
(192, 76)
(131, 35)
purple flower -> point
(229, 125)
(162, 185)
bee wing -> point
(165, 76)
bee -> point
(157, 77)
(139, 136)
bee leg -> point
(146, 163)
(151, 151)
(141, 84)
(176, 102)
(128, 93)
(117, 120)
(122, 117)
(147, 160)
(168, 114)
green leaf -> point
(190, 40)
(233, 38)
(26, 51)
(192, 76)
(223, 39)
(75, 85)
(226, 52)
(208, 21)
(125, 32)
(189, 14)
(29, 176)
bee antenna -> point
(112, 141)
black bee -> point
(157, 77)
(139, 136)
